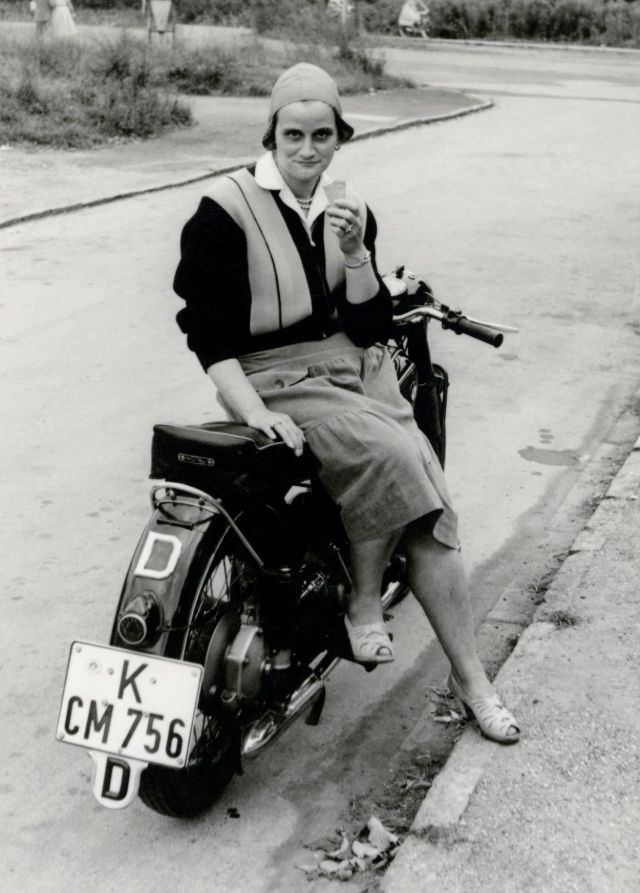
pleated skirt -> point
(374, 461)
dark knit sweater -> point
(212, 278)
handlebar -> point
(454, 320)
(405, 286)
(463, 326)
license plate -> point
(128, 703)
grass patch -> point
(250, 67)
(81, 93)
(562, 619)
(69, 94)
(606, 22)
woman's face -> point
(306, 138)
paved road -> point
(525, 213)
(574, 73)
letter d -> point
(115, 780)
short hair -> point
(344, 130)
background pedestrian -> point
(62, 23)
(42, 16)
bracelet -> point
(364, 260)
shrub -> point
(198, 71)
(531, 19)
(381, 17)
(105, 4)
(573, 20)
(215, 12)
(132, 108)
(491, 19)
(55, 59)
(302, 19)
(618, 21)
(634, 15)
(75, 95)
(30, 97)
(448, 19)
(614, 22)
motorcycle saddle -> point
(221, 453)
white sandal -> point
(493, 718)
(369, 642)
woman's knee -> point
(419, 533)
(422, 535)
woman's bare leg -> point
(438, 581)
(368, 562)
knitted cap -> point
(307, 82)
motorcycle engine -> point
(316, 618)
(244, 662)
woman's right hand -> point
(277, 424)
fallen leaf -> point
(345, 870)
(379, 836)
(343, 851)
(329, 866)
(308, 869)
(451, 716)
(326, 843)
(364, 850)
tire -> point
(189, 792)
(214, 756)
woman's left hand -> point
(347, 224)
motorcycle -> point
(230, 617)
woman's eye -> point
(322, 135)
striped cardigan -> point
(252, 279)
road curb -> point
(393, 41)
(415, 866)
(480, 106)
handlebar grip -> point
(463, 326)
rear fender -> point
(169, 558)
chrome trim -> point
(142, 621)
(264, 732)
(212, 504)
(418, 313)
(184, 488)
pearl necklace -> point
(305, 203)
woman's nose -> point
(307, 147)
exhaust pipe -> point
(270, 726)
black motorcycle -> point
(231, 614)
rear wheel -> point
(215, 741)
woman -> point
(62, 23)
(285, 310)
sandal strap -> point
(492, 713)
(368, 640)
(492, 716)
